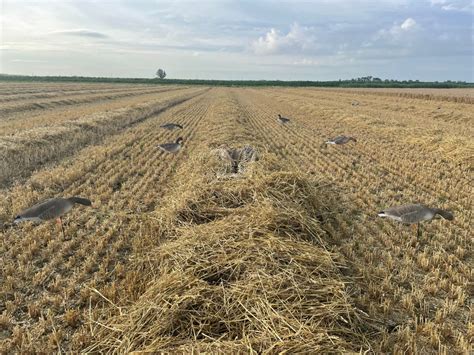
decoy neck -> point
(443, 213)
(279, 116)
(179, 126)
(352, 139)
(179, 140)
(80, 200)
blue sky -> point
(260, 39)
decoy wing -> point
(55, 210)
(411, 213)
(414, 217)
(167, 146)
(51, 208)
(400, 211)
(48, 209)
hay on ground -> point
(246, 268)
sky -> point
(256, 39)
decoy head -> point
(180, 140)
(352, 138)
(179, 126)
(279, 116)
(17, 219)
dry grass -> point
(453, 95)
(246, 269)
(289, 256)
(33, 103)
(23, 153)
(43, 92)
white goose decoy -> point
(416, 213)
(283, 120)
(50, 209)
(341, 140)
(171, 126)
(172, 147)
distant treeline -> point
(364, 82)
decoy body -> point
(172, 147)
(50, 209)
(355, 103)
(283, 120)
(171, 126)
(341, 140)
(416, 213)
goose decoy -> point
(171, 126)
(341, 140)
(50, 209)
(172, 147)
(411, 214)
(283, 120)
(355, 103)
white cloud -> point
(306, 62)
(28, 61)
(398, 32)
(80, 33)
(298, 39)
(408, 24)
(454, 5)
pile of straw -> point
(245, 268)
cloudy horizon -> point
(424, 40)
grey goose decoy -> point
(414, 214)
(172, 147)
(50, 209)
(340, 140)
(283, 120)
(171, 126)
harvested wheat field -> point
(281, 251)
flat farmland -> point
(288, 256)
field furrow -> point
(21, 122)
(428, 174)
(12, 89)
(43, 145)
(31, 105)
(65, 92)
(127, 177)
(370, 243)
